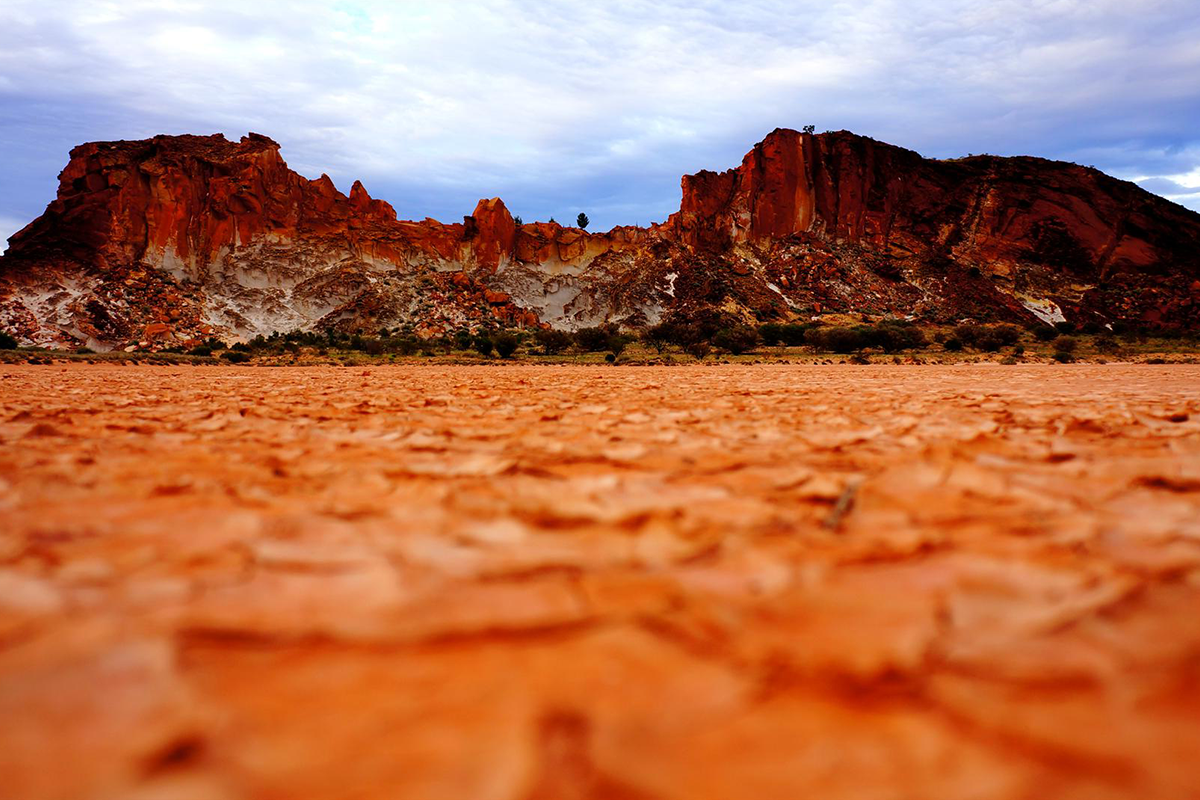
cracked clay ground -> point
(551, 583)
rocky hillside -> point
(175, 238)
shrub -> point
(1064, 327)
(659, 336)
(236, 356)
(793, 335)
(407, 345)
(839, 339)
(789, 334)
(1107, 344)
(989, 338)
(617, 344)
(8, 341)
(484, 345)
(699, 348)
(1008, 334)
(737, 340)
(506, 344)
(552, 341)
(610, 358)
(203, 350)
(241, 347)
(988, 342)
(896, 336)
(1063, 357)
(771, 333)
(374, 347)
(953, 344)
(1044, 333)
(967, 333)
(594, 339)
(582, 220)
(1065, 344)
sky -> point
(562, 106)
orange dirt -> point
(545, 583)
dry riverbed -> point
(537, 583)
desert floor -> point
(520, 583)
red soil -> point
(543, 582)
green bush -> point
(407, 345)
(593, 339)
(894, 336)
(1063, 357)
(8, 341)
(1044, 333)
(838, 339)
(1008, 334)
(953, 344)
(484, 345)
(1065, 344)
(236, 356)
(698, 348)
(659, 336)
(552, 341)
(737, 339)
(506, 344)
(617, 344)
(968, 333)
(989, 338)
(771, 334)
(792, 335)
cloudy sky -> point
(566, 105)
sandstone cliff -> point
(177, 237)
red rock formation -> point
(1029, 225)
(205, 233)
(495, 233)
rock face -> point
(179, 237)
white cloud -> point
(556, 104)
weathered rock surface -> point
(203, 235)
(971, 583)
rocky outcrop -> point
(1035, 231)
(207, 236)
